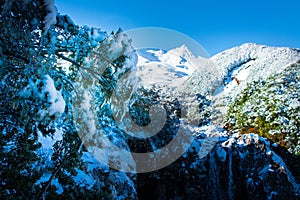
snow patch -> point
(44, 90)
(88, 117)
(54, 97)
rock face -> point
(242, 167)
(239, 165)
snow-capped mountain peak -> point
(166, 68)
(182, 51)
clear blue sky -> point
(217, 25)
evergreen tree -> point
(44, 57)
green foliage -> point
(271, 109)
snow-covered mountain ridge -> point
(236, 66)
(251, 62)
(224, 75)
(273, 58)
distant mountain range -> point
(232, 69)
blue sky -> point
(217, 25)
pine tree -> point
(43, 58)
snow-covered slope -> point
(264, 59)
(166, 68)
(251, 62)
